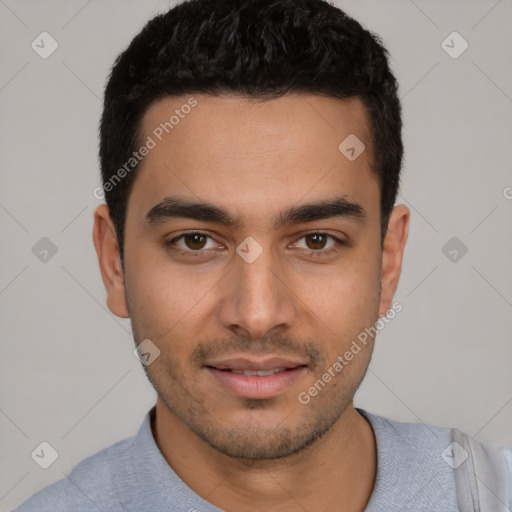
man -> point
(251, 155)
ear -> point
(109, 259)
(392, 254)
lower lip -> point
(255, 386)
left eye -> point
(318, 241)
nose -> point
(257, 297)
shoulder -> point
(409, 448)
(417, 437)
(89, 487)
(413, 437)
(507, 453)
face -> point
(253, 261)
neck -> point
(338, 468)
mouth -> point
(261, 373)
(249, 378)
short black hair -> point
(260, 49)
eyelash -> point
(309, 252)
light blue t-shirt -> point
(133, 476)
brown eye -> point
(319, 244)
(195, 241)
(316, 241)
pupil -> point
(197, 241)
(319, 241)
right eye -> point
(192, 243)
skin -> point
(255, 159)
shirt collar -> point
(407, 468)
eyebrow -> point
(176, 207)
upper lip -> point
(251, 364)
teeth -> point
(261, 373)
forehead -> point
(250, 155)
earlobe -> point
(109, 259)
(392, 255)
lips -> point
(253, 365)
(256, 379)
(260, 373)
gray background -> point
(67, 372)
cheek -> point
(164, 297)
(345, 303)
(350, 291)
